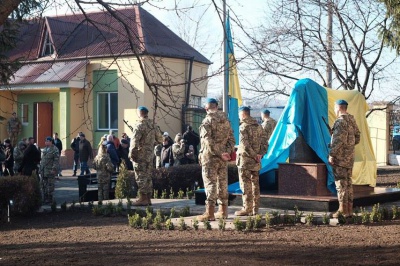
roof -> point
(100, 34)
(47, 72)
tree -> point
(294, 45)
(19, 9)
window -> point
(107, 111)
(195, 100)
(25, 113)
(48, 48)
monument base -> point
(303, 179)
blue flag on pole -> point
(232, 79)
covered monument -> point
(307, 108)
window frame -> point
(24, 119)
(109, 111)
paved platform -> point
(67, 191)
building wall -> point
(7, 107)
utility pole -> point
(226, 70)
(329, 45)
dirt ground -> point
(79, 238)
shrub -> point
(395, 212)
(135, 220)
(63, 206)
(221, 224)
(185, 211)
(195, 224)
(182, 223)
(123, 188)
(249, 223)
(238, 224)
(169, 225)
(325, 218)
(207, 224)
(257, 221)
(268, 220)
(53, 206)
(309, 218)
(24, 191)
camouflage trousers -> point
(13, 136)
(103, 183)
(215, 178)
(143, 176)
(250, 186)
(47, 184)
(343, 184)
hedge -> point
(24, 191)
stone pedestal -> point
(305, 179)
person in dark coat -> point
(191, 138)
(123, 153)
(58, 144)
(85, 153)
(167, 158)
(31, 158)
(112, 151)
(75, 148)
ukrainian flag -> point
(232, 79)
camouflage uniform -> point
(13, 129)
(145, 137)
(269, 125)
(253, 141)
(18, 156)
(345, 136)
(216, 138)
(48, 170)
(178, 152)
(104, 167)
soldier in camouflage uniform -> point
(268, 123)
(104, 167)
(253, 144)
(48, 170)
(345, 135)
(217, 143)
(145, 137)
(18, 154)
(13, 128)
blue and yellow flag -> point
(232, 79)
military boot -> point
(142, 200)
(222, 212)
(341, 210)
(149, 198)
(208, 215)
(74, 173)
(243, 212)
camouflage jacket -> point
(178, 151)
(50, 161)
(145, 137)
(269, 125)
(102, 164)
(345, 135)
(216, 137)
(18, 156)
(252, 141)
(14, 125)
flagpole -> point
(226, 74)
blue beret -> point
(265, 111)
(211, 100)
(244, 108)
(143, 108)
(341, 102)
(49, 139)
